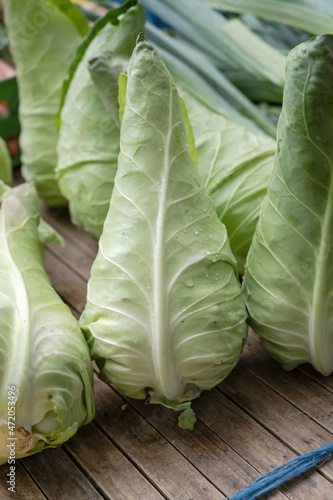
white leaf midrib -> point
(166, 377)
(16, 370)
(320, 354)
(318, 328)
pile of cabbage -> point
(173, 191)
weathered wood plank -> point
(225, 468)
(326, 382)
(253, 442)
(58, 477)
(116, 477)
(155, 457)
(277, 415)
(69, 285)
(25, 488)
(60, 220)
(302, 391)
(80, 260)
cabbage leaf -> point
(235, 164)
(44, 36)
(44, 358)
(88, 144)
(288, 282)
(164, 315)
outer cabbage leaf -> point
(6, 172)
(164, 314)
(88, 145)
(105, 70)
(3, 189)
(44, 35)
(288, 282)
(235, 164)
(43, 355)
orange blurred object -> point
(13, 146)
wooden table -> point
(257, 419)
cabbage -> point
(44, 35)
(88, 145)
(235, 164)
(45, 367)
(164, 316)
(289, 275)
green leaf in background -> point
(9, 124)
(314, 16)
(282, 37)
(3, 189)
(44, 36)
(6, 171)
(105, 69)
(230, 43)
(189, 132)
(234, 164)
(191, 67)
(43, 355)
(164, 315)
(88, 145)
(288, 281)
(122, 95)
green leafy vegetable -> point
(105, 69)
(235, 164)
(122, 95)
(88, 145)
(198, 62)
(310, 15)
(198, 87)
(164, 315)
(289, 276)
(9, 123)
(230, 44)
(43, 356)
(283, 37)
(187, 419)
(5, 164)
(44, 35)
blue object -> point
(155, 19)
(293, 468)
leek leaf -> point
(312, 16)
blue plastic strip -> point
(293, 468)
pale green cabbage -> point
(44, 36)
(288, 282)
(235, 164)
(43, 355)
(88, 145)
(164, 315)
